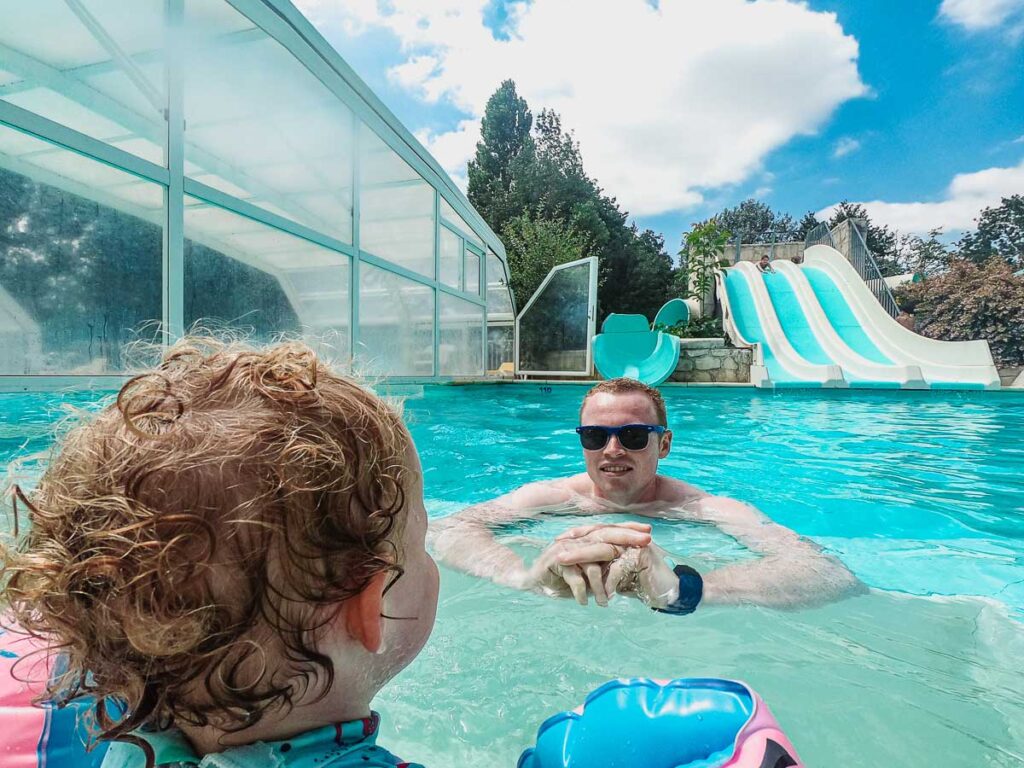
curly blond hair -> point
(190, 542)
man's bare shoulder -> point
(672, 491)
(545, 493)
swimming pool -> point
(920, 493)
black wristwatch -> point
(691, 590)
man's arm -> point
(791, 572)
(466, 541)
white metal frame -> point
(591, 318)
(284, 23)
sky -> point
(914, 108)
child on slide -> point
(233, 552)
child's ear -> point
(363, 619)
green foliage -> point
(704, 247)
(540, 175)
(971, 301)
(806, 224)
(505, 137)
(755, 222)
(535, 245)
(923, 256)
(1000, 233)
(701, 328)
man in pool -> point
(623, 432)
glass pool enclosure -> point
(217, 162)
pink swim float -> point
(32, 735)
(684, 723)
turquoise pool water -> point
(920, 493)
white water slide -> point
(819, 325)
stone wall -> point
(754, 251)
(710, 361)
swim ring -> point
(683, 723)
(34, 735)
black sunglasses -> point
(632, 437)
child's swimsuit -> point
(342, 745)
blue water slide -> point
(793, 320)
(627, 347)
(744, 313)
(797, 327)
(851, 315)
(841, 316)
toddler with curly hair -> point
(230, 562)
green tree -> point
(924, 256)
(1000, 233)
(971, 301)
(756, 222)
(546, 181)
(806, 224)
(535, 245)
(704, 245)
(504, 138)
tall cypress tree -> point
(505, 137)
(529, 184)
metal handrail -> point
(864, 262)
(819, 235)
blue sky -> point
(914, 107)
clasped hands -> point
(603, 560)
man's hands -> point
(602, 560)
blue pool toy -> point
(672, 312)
(684, 723)
(627, 347)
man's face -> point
(620, 475)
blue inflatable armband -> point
(684, 723)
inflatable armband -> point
(684, 723)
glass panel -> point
(56, 66)
(451, 258)
(461, 348)
(450, 214)
(260, 126)
(499, 299)
(81, 254)
(242, 274)
(500, 345)
(396, 207)
(554, 330)
(472, 273)
(396, 324)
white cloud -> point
(974, 15)
(965, 198)
(413, 72)
(845, 146)
(452, 148)
(665, 102)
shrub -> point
(971, 301)
(701, 328)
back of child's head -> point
(189, 543)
